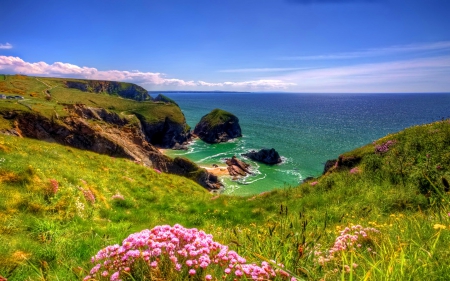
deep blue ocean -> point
(306, 129)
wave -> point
(212, 156)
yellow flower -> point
(439, 226)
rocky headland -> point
(134, 133)
(218, 126)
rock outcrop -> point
(265, 155)
(165, 133)
(122, 89)
(218, 126)
(343, 161)
(236, 167)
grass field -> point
(385, 218)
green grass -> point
(402, 193)
(216, 117)
(34, 90)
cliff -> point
(131, 129)
(122, 89)
(218, 126)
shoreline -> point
(217, 171)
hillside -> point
(380, 212)
(93, 115)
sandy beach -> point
(219, 171)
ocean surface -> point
(306, 129)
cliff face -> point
(125, 90)
(166, 133)
(218, 126)
(101, 131)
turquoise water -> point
(306, 129)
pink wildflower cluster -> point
(355, 170)
(384, 147)
(350, 239)
(313, 183)
(88, 195)
(188, 250)
(54, 186)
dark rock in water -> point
(218, 126)
(237, 167)
(265, 155)
(215, 165)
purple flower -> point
(384, 147)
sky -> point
(308, 46)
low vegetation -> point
(49, 97)
(217, 116)
(386, 216)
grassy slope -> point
(400, 192)
(34, 91)
(216, 116)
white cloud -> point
(6, 46)
(415, 75)
(268, 69)
(146, 79)
(373, 52)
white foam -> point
(212, 156)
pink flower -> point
(54, 186)
(355, 170)
(314, 183)
(176, 243)
(115, 276)
(158, 171)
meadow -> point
(384, 216)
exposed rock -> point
(328, 165)
(166, 133)
(218, 126)
(342, 162)
(126, 90)
(178, 146)
(265, 155)
(237, 167)
(348, 161)
(307, 179)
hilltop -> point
(60, 205)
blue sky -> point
(314, 46)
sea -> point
(306, 129)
